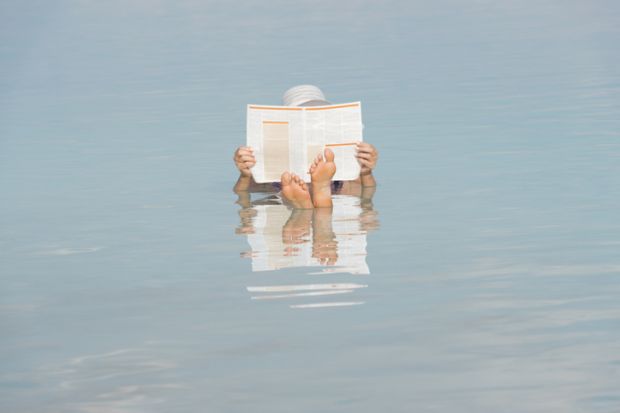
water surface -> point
(492, 250)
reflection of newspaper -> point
(288, 138)
(269, 252)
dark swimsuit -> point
(336, 186)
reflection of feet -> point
(322, 171)
(295, 191)
(324, 243)
(297, 228)
(296, 231)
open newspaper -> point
(286, 138)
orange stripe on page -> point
(275, 122)
(273, 108)
(350, 105)
(342, 144)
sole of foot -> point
(295, 191)
(322, 171)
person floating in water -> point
(294, 190)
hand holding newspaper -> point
(286, 138)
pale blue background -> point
(494, 281)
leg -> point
(295, 191)
(322, 171)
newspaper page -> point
(286, 138)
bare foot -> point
(322, 171)
(295, 191)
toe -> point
(285, 179)
(329, 155)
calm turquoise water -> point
(484, 276)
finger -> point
(366, 147)
(246, 158)
(244, 152)
(366, 150)
(249, 164)
(361, 155)
(366, 164)
(365, 153)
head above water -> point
(304, 95)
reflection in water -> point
(327, 240)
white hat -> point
(306, 95)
